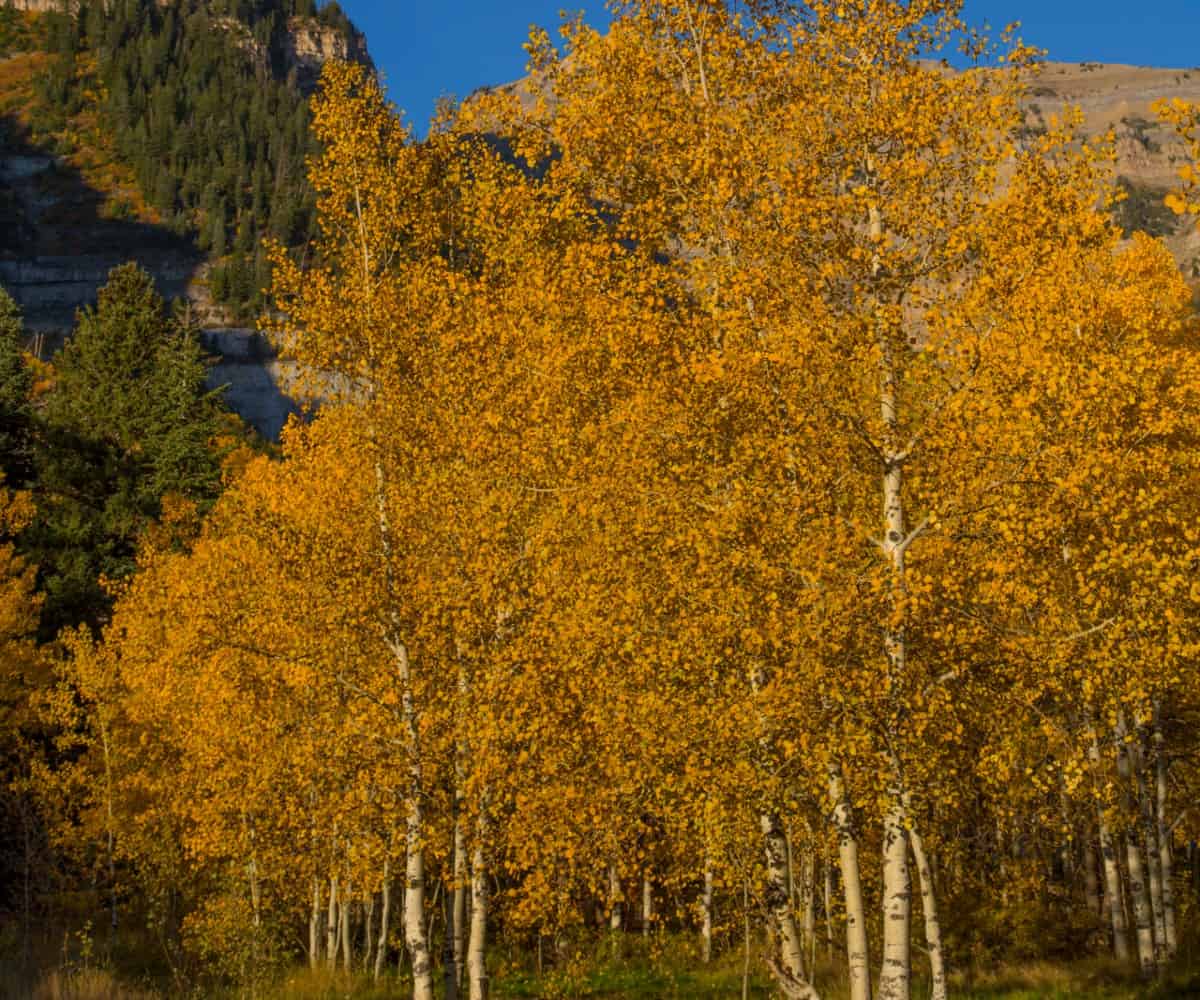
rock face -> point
(309, 45)
(1148, 153)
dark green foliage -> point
(128, 421)
(15, 384)
(200, 103)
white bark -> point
(384, 920)
(1166, 861)
(368, 932)
(416, 934)
(857, 954)
(933, 927)
(461, 888)
(647, 905)
(331, 924)
(314, 926)
(477, 946)
(616, 900)
(1112, 869)
(778, 902)
(1139, 889)
(808, 899)
(344, 933)
(896, 973)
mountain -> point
(170, 132)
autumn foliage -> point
(753, 478)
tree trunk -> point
(461, 888)
(647, 905)
(416, 934)
(368, 932)
(384, 919)
(331, 925)
(616, 901)
(706, 926)
(449, 967)
(1146, 811)
(344, 933)
(1139, 889)
(778, 902)
(933, 927)
(314, 926)
(1166, 862)
(857, 953)
(476, 950)
(896, 972)
(808, 899)
(1112, 869)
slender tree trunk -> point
(449, 966)
(331, 924)
(616, 901)
(647, 904)
(779, 903)
(344, 933)
(1112, 870)
(933, 927)
(857, 953)
(808, 899)
(706, 925)
(896, 972)
(461, 889)
(314, 926)
(416, 934)
(368, 932)
(384, 919)
(1166, 862)
(477, 947)
(1139, 889)
(1146, 810)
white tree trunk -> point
(1139, 888)
(314, 926)
(616, 900)
(344, 933)
(857, 954)
(384, 920)
(331, 925)
(461, 889)
(896, 972)
(647, 905)
(368, 931)
(477, 947)
(1113, 895)
(778, 901)
(416, 934)
(1166, 861)
(933, 926)
(808, 899)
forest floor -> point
(668, 968)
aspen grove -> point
(755, 498)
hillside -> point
(171, 134)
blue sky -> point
(427, 50)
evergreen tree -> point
(15, 384)
(128, 421)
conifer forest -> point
(744, 539)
